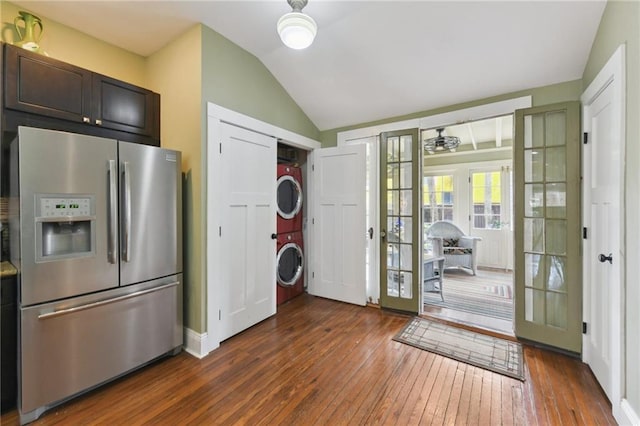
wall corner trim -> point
(627, 415)
(195, 343)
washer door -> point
(289, 197)
(290, 264)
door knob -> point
(370, 231)
(274, 236)
(604, 258)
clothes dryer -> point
(289, 199)
(289, 266)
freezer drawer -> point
(69, 347)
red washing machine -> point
(289, 199)
(289, 266)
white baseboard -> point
(626, 415)
(195, 343)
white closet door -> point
(339, 233)
(247, 255)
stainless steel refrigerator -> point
(96, 236)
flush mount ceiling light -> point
(297, 30)
(441, 143)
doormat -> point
(488, 352)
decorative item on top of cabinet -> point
(40, 85)
(29, 37)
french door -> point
(548, 226)
(399, 228)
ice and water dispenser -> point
(65, 226)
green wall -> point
(237, 80)
(567, 91)
(198, 67)
(620, 24)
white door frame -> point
(479, 112)
(613, 73)
(201, 345)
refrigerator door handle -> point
(126, 252)
(113, 217)
(106, 301)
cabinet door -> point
(41, 85)
(121, 106)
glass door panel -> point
(398, 208)
(548, 292)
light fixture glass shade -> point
(441, 143)
(297, 30)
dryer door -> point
(289, 197)
(290, 264)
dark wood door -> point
(45, 86)
(122, 106)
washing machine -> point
(289, 199)
(289, 266)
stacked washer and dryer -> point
(290, 254)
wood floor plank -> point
(324, 362)
(406, 412)
(464, 401)
(456, 393)
(399, 383)
(440, 399)
(485, 398)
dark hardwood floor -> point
(324, 362)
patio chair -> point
(449, 241)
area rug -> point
(479, 305)
(487, 352)
(475, 295)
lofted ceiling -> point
(371, 59)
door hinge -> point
(219, 231)
(313, 220)
(313, 275)
(220, 147)
(584, 233)
(584, 328)
(219, 314)
(585, 138)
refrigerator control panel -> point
(65, 207)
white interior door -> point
(247, 255)
(339, 230)
(603, 255)
(372, 251)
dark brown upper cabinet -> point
(41, 85)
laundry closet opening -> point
(291, 202)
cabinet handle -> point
(86, 120)
(98, 122)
